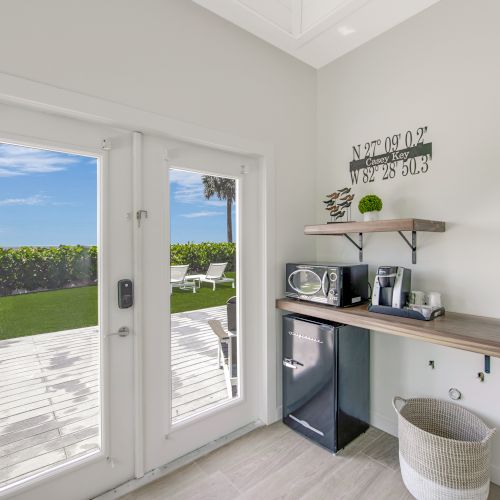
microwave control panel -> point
(334, 279)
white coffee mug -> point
(417, 298)
(434, 299)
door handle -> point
(291, 363)
(123, 331)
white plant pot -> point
(369, 216)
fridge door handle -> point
(291, 363)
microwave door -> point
(306, 282)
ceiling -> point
(316, 31)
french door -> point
(86, 387)
(66, 346)
(188, 401)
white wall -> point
(439, 69)
(174, 58)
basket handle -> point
(395, 401)
(491, 432)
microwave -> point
(338, 285)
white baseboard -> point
(384, 424)
(159, 472)
(275, 415)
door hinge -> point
(139, 215)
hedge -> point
(200, 255)
(28, 269)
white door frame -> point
(27, 93)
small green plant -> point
(370, 203)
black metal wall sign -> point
(399, 154)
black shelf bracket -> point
(412, 245)
(487, 365)
(359, 245)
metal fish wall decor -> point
(338, 204)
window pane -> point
(49, 333)
(203, 257)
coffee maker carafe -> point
(392, 286)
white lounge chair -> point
(215, 274)
(178, 278)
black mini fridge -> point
(326, 380)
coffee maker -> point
(391, 287)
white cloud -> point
(202, 214)
(20, 160)
(189, 188)
(37, 199)
(216, 203)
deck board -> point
(49, 397)
(197, 381)
(49, 390)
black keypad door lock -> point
(125, 294)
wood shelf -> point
(462, 331)
(378, 226)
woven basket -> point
(444, 450)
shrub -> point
(370, 203)
(46, 268)
(28, 269)
(200, 255)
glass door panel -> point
(203, 292)
(50, 408)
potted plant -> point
(370, 205)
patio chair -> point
(214, 275)
(225, 352)
(178, 278)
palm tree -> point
(224, 189)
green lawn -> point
(45, 312)
(58, 310)
(186, 300)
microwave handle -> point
(324, 283)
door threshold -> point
(176, 464)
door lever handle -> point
(123, 331)
(291, 363)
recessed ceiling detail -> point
(316, 31)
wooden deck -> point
(197, 381)
(49, 400)
(49, 390)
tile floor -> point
(276, 463)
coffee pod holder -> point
(406, 313)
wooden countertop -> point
(462, 331)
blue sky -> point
(50, 198)
(46, 197)
(192, 217)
